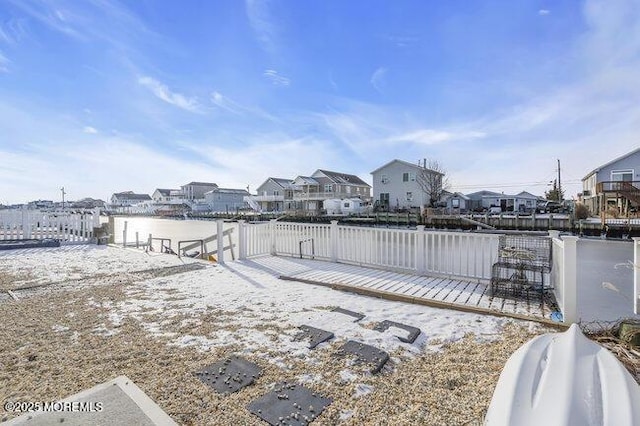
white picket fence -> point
(65, 226)
(454, 254)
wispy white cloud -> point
(90, 130)
(227, 104)
(4, 63)
(432, 136)
(378, 78)
(275, 78)
(262, 22)
(163, 92)
(12, 31)
(544, 12)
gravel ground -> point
(55, 343)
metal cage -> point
(523, 262)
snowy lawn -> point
(109, 315)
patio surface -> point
(451, 293)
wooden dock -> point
(440, 292)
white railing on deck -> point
(33, 224)
(255, 239)
(456, 254)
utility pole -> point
(559, 184)
(62, 189)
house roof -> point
(342, 178)
(165, 192)
(281, 182)
(525, 194)
(130, 195)
(596, 170)
(459, 195)
(406, 163)
(484, 193)
(306, 180)
(228, 191)
(201, 184)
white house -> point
(396, 186)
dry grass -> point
(53, 345)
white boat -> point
(564, 379)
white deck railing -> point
(464, 255)
(33, 224)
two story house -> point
(271, 195)
(309, 192)
(396, 185)
(614, 185)
(196, 190)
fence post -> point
(272, 236)
(220, 240)
(420, 251)
(26, 224)
(124, 235)
(242, 237)
(636, 275)
(112, 228)
(570, 278)
(333, 241)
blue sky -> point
(102, 96)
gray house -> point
(395, 185)
(521, 202)
(458, 203)
(271, 194)
(614, 185)
(310, 192)
(196, 190)
(226, 199)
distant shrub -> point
(581, 212)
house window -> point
(455, 203)
(385, 179)
(622, 175)
(409, 196)
(276, 192)
(348, 188)
(328, 188)
(408, 177)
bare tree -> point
(433, 180)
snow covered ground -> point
(106, 315)
(252, 295)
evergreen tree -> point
(554, 194)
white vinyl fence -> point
(564, 275)
(65, 226)
(464, 255)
